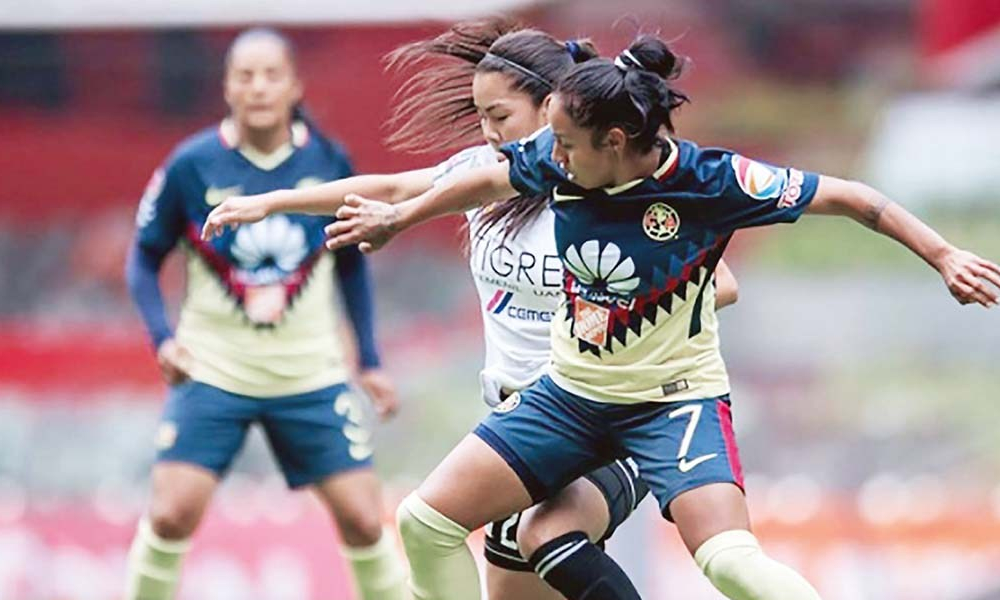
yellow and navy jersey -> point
(638, 323)
(258, 314)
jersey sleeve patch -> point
(757, 180)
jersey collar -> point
(229, 136)
(665, 170)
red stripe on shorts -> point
(732, 450)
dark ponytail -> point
(632, 93)
(435, 109)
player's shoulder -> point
(701, 160)
(327, 146)
(704, 169)
(472, 157)
(201, 146)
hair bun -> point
(652, 54)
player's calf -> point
(580, 570)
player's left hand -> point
(966, 276)
(368, 223)
(382, 392)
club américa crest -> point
(661, 222)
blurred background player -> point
(641, 221)
(257, 340)
(496, 88)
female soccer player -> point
(503, 75)
(256, 341)
(641, 221)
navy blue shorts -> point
(550, 437)
(312, 435)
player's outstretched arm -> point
(323, 199)
(371, 224)
(967, 276)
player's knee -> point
(173, 519)
(422, 527)
(539, 526)
(360, 526)
(737, 566)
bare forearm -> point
(483, 186)
(326, 198)
(877, 212)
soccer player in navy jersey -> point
(257, 340)
(490, 79)
(641, 220)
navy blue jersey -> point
(258, 313)
(638, 322)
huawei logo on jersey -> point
(602, 268)
(270, 264)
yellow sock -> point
(441, 564)
(378, 570)
(154, 565)
(735, 564)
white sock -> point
(378, 570)
(154, 565)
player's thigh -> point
(204, 426)
(703, 512)
(505, 584)
(473, 485)
(354, 499)
(318, 434)
(181, 493)
(686, 451)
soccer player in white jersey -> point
(496, 88)
(641, 221)
(257, 340)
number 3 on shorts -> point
(685, 465)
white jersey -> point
(519, 280)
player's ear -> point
(616, 140)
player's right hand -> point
(233, 212)
(368, 223)
(969, 278)
(175, 362)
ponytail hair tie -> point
(573, 47)
(626, 60)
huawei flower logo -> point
(270, 248)
(599, 267)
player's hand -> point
(368, 223)
(175, 362)
(969, 278)
(233, 212)
(382, 392)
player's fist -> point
(233, 212)
(381, 390)
(175, 362)
(969, 278)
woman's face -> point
(260, 85)
(587, 165)
(505, 114)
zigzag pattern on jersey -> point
(293, 283)
(699, 260)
